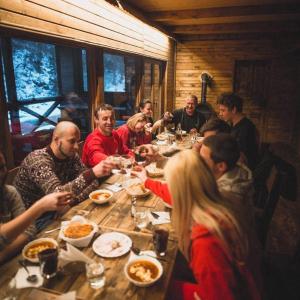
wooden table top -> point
(110, 217)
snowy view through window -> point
(36, 78)
(114, 73)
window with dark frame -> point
(44, 84)
(120, 84)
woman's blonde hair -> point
(196, 199)
(132, 121)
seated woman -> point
(133, 133)
(145, 107)
(15, 229)
(209, 235)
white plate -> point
(167, 205)
(153, 171)
(132, 194)
(103, 244)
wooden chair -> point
(11, 175)
(273, 185)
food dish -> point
(112, 244)
(80, 229)
(101, 196)
(31, 250)
(153, 171)
(138, 190)
(164, 136)
(143, 270)
(77, 230)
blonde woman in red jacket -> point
(134, 132)
(209, 234)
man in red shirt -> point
(104, 140)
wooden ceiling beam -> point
(164, 16)
(283, 26)
(129, 8)
(239, 36)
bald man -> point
(58, 168)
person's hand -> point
(142, 175)
(193, 131)
(197, 146)
(168, 116)
(150, 152)
(148, 128)
(54, 201)
(196, 296)
(104, 167)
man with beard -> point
(58, 168)
(189, 118)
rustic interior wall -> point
(276, 121)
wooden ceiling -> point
(218, 19)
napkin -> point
(145, 252)
(113, 187)
(21, 281)
(164, 218)
(72, 254)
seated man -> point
(230, 110)
(104, 140)
(188, 117)
(58, 168)
(15, 231)
(221, 153)
(213, 127)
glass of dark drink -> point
(48, 261)
(160, 240)
(140, 154)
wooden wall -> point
(277, 121)
(93, 22)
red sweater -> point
(132, 139)
(160, 189)
(98, 146)
(217, 276)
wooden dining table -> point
(110, 217)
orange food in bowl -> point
(35, 249)
(100, 196)
(78, 230)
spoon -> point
(30, 278)
(137, 251)
(51, 230)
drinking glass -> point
(48, 261)
(141, 218)
(160, 240)
(95, 274)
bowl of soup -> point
(32, 249)
(143, 270)
(101, 196)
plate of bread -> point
(138, 190)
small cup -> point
(95, 275)
(48, 261)
(160, 240)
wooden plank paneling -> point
(218, 58)
(85, 21)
